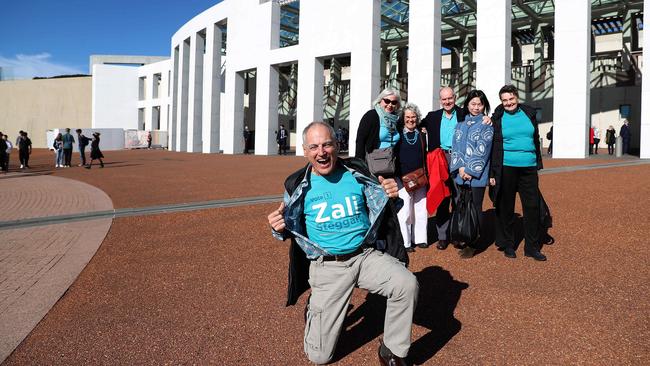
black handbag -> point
(464, 225)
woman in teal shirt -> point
(516, 157)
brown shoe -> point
(390, 360)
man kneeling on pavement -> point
(344, 233)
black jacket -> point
(388, 230)
(496, 167)
(432, 123)
(368, 134)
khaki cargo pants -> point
(332, 284)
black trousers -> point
(525, 182)
(23, 155)
(610, 149)
(67, 156)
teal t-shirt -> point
(518, 144)
(385, 135)
(447, 128)
(335, 212)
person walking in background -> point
(68, 141)
(3, 152)
(412, 157)
(626, 135)
(8, 152)
(59, 160)
(516, 157)
(549, 137)
(380, 127)
(591, 140)
(247, 139)
(83, 141)
(596, 139)
(95, 152)
(610, 139)
(470, 157)
(281, 138)
(149, 140)
(24, 149)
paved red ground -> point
(209, 286)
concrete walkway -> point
(38, 264)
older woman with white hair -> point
(413, 183)
(380, 127)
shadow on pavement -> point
(437, 300)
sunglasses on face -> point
(388, 101)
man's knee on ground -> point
(407, 284)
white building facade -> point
(293, 62)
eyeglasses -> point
(388, 101)
(326, 146)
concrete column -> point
(493, 40)
(424, 54)
(392, 68)
(627, 39)
(183, 82)
(467, 69)
(172, 131)
(149, 117)
(539, 53)
(211, 90)
(645, 91)
(365, 83)
(266, 110)
(195, 97)
(310, 94)
(571, 114)
(231, 134)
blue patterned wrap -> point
(472, 147)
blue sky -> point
(47, 38)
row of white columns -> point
(198, 85)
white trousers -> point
(413, 216)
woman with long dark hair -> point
(470, 156)
(95, 152)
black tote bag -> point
(464, 225)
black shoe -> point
(467, 252)
(390, 359)
(442, 244)
(510, 252)
(410, 249)
(87, 167)
(536, 255)
(422, 245)
(458, 245)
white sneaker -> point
(57, 165)
(22, 166)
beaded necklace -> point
(413, 140)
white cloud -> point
(29, 66)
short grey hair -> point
(314, 124)
(413, 108)
(387, 93)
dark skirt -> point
(96, 154)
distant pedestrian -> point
(59, 159)
(148, 140)
(95, 153)
(8, 152)
(596, 139)
(591, 140)
(549, 137)
(3, 152)
(68, 141)
(281, 138)
(83, 141)
(24, 149)
(626, 135)
(610, 139)
(247, 139)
